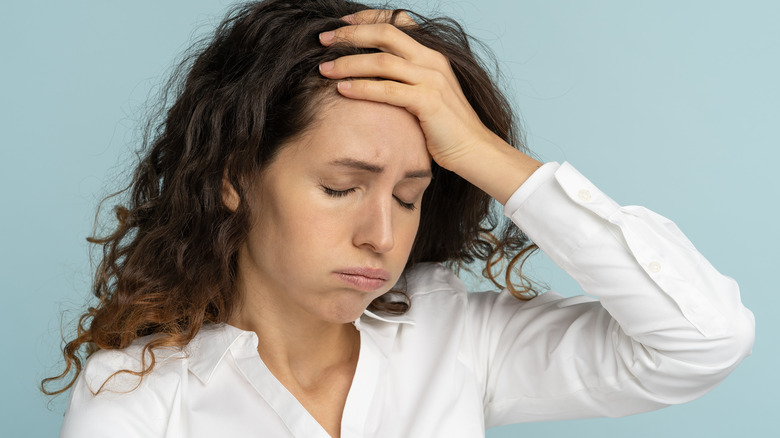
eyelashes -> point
(341, 193)
(337, 193)
(407, 205)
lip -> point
(364, 278)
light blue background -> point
(674, 105)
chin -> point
(349, 310)
(345, 316)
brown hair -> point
(170, 263)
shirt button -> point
(654, 267)
(584, 195)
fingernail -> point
(327, 66)
(326, 37)
(349, 18)
(344, 85)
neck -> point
(296, 347)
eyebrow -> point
(373, 168)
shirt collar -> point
(395, 319)
(211, 344)
(382, 329)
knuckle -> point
(404, 19)
(441, 61)
(384, 59)
(385, 30)
(345, 33)
(358, 86)
(364, 16)
(353, 32)
(440, 79)
(432, 99)
(389, 90)
(368, 87)
(384, 16)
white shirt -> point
(667, 327)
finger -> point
(372, 16)
(382, 36)
(384, 63)
(389, 92)
(380, 64)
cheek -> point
(408, 232)
(280, 224)
(313, 229)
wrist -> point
(494, 166)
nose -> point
(375, 227)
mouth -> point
(364, 279)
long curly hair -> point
(170, 264)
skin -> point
(344, 195)
(300, 310)
(422, 82)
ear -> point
(230, 197)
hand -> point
(422, 81)
(419, 79)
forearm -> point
(663, 293)
(668, 327)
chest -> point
(325, 401)
(407, 395)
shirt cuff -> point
(617, 252)
(559, 210)
(539, 177)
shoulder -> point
(109, 397)
(432, 287)
(124, 365)
(431, 278)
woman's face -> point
(337, 212)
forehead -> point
(366, 131)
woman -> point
(280, 268)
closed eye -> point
(341, 193)
(337, 193)
(407, 205)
